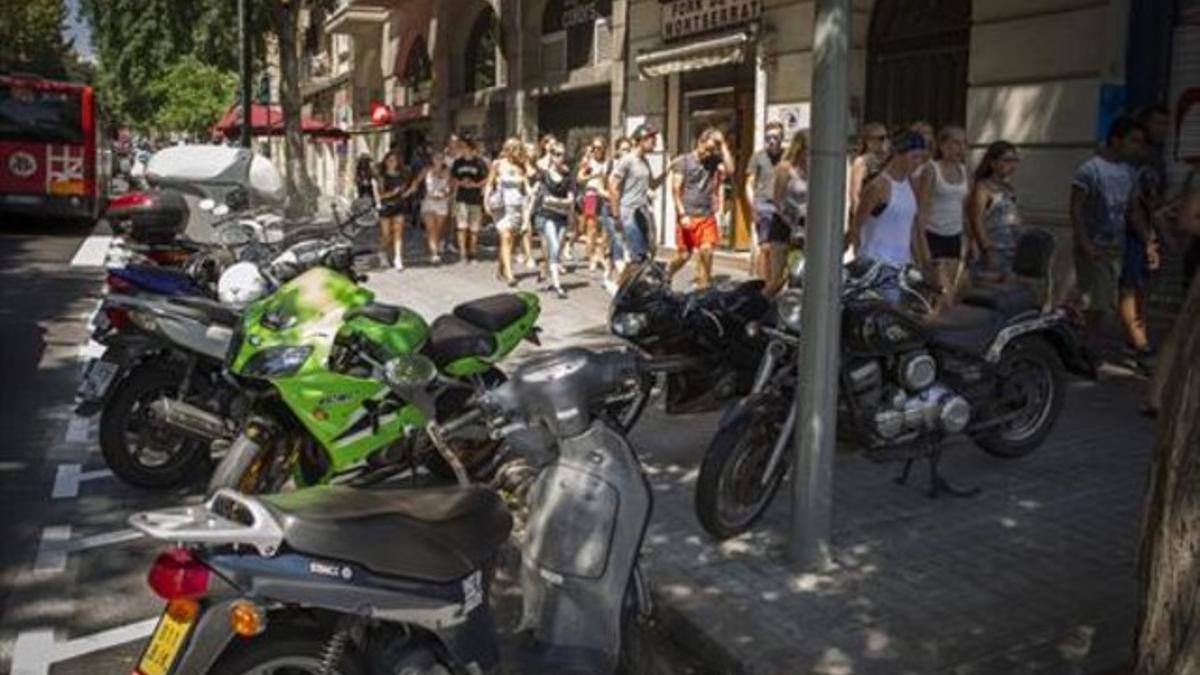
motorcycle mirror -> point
(207, 204)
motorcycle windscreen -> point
(588, 514)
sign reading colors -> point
(684, 18)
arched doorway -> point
(917, 52)
(484, 45)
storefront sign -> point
(684, 18)
(793, 116)
(580, 12)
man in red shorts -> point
(696, 187)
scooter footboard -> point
(589, 512)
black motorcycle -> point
(703, 333)
(992, 367)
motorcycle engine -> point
(906, 400)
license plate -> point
(164, 645)
(97, 377)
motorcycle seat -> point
(435, 535)
(451, 339)
(493, 313)
(211, 310)
(1010, 299)
(965, 328)
(375, 311)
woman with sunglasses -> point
(992, 213)
(873, 151)
(552, 212)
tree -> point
(190, 96)
(1168, 639)
(32, 35)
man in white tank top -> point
(884, 226)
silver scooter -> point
(343, 580)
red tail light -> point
(177, 574)
(168, 256)
(118, 319)
(118, 284)
(131, 200)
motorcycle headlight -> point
(790, 307)
(409, 371)
(629, 324)
(276, 362)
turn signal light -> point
(183, 610)
(247, 619)
(178, 575)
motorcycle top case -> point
(155, 217)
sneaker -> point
(398, 265)
(611, 286)
(531, 264)
(560, 293)
(520, 259)
(436, 260)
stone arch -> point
(916, 62)
(482, 58)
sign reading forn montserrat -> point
(684, 18)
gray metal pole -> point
(816, 397)
(244, 66)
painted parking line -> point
(93, 252)
(38, 649)
(57, 544)
(69, 476)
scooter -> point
(334, 579)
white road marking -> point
(36, 650)
(93, 252)
(69, 476)
(57, 544)
(90, 350)
(80, 429)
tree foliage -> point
(31, 32)
(191, 96)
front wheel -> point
(1031, 392)
(733, 491)
(285, 652)
(139, 448)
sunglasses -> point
(774, 137)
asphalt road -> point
(73, 597)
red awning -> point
(268, 121)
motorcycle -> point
(316, 350)
(702, 331)
(992, 368)
(160, 387)
(333, 579)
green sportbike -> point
(315, 353)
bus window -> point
(34, 114)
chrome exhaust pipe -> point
(192, 420)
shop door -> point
(730, 111)
(917, 62)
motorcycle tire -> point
(284, 649)
(1006, 442)
(748, 436)
(127, 406)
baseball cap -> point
(644, 131)
(909, 141)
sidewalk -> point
(1036, 575)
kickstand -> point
(938, 484)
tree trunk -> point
(1168, 638)
(302, 192)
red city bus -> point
(53, 149)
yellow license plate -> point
(164, 645)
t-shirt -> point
(472, 169)
(632, 174)
(1107, 188)
(762, 167)
(699, 181)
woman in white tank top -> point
(942, 195)
(884, 226)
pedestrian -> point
(629, 189)
(592, 175)
(1099, 204)
(698, 191)
(925, 129)
(616, 250)
(884, 227)
(1145, 234)
(554, 202)
(942, 197)
(397, 185)
(435, 207)
(364, 179)
(992, 213)
(770, 234)
(506, 194)
(468, 175)
(873, 152)
(791, 201)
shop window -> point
(484, 46)
(584, 29)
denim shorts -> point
(637, 224)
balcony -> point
(357, 19)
